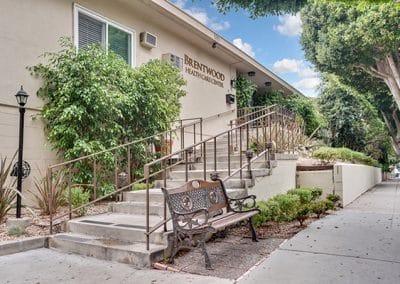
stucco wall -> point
(353, 180)
(282, 179)
(322, 179)
(349, 181)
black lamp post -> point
(22, 98)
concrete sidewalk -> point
(359, 244)
(45, 266)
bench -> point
(200, 208)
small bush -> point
(329, 205)
(302, 213)
(305, 194)
(316, 193)
(106, 189)
(79, 197)
(328, 155)
(142, 186)
(269, 212)
(15, 231)
(288, 206)
(333, 198)
(318, 208)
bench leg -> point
(207, 261)
(253, 231)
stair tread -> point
(119, 221)
(109, 243)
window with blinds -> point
(92, 30)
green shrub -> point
(106, 189)
(334, 198)
(305, 194)
(318, 207)
(15, 231)
(288, 206)
(328, 154)
(79, 197)
(270, 211)
(302, 213)
(316, 193)
(329, 205)
(142, 186)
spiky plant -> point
(7, 194)
(42, 193)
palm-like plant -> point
(7, 193)
(42, 193)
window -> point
(92, 29)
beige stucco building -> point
(28, 28)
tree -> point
(353, 121)
(258, 8)
(342, 40)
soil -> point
(40, 223)
(232, 253)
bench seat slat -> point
(230, 219)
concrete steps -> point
(133, 253)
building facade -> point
(138, 30)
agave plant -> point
(42, 193)
(7, 194)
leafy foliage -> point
(334, 198)
(304, 107)
(7, 194)
(329, 154)
(320, 207)
(95, 100)
(258, 8)
(79, 197)
(16, 231)
(244, 92)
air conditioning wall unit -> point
(148, 40)
(175, 60)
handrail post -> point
(215, 154)
(229, 154)
(50, 188)
(201, 135)
(128, 150)
(204, 161)
(94, 178)
(146, 176)
(240, 152)
(165, 201)
(186, 166)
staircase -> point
(120, 234)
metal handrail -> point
(196, 123)
(285, 127)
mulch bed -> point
(233, 252)
(40, 223)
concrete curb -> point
(11, 247)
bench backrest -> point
(195, 195)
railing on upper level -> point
(273, 129)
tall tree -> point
(258, 8)
(342, 39)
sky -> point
(274, 41)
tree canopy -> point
(342, 40)
(258, 8)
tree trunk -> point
(393, 134)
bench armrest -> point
(243, 204)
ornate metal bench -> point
(199, 208)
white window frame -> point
(79, 9)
